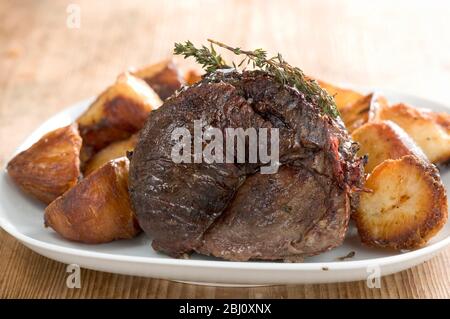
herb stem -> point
(285, 73)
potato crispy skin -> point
(98, 209)
(382, 140)
(342, 97)
(164, 77)
(112, 151)
(121, 119)
(117, 113)
(192, 76)
(49, 167)
(358, 113)
(406, 204)
(430, 130)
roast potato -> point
(49, 167)
(358, 113)
(382, 140)
(192, 76)
(342, 97)
(110, 152)
(164, 77)
(404, 206)
(428, 129)
(118, 112)
(98, 209)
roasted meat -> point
(231, 210)
(277, 216)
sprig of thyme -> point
(283, 72)
(207, 57)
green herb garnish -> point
(283, 72)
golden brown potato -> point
(342, 97)
(382, 140)
(117, 113)
(442, 119)
(50, 166)
(164, 77)
(192, 76)
(356, 114)
(406, 205)
(428, 129)
(110, 152)
(98, 209)
(86, 153)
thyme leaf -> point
(276, 66)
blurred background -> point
(55, 53)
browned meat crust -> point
(231, 210)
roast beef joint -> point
(232, 210)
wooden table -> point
(45, 66)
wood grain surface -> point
(46, 66)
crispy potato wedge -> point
(164, 77)
(442, 119)
(358, 113)
(118, 112)
(110, 152)
(50, 166)
(382, 140)
(406, 205)
(86, 153)
(98, 209)
(192, 76)
(342, 97)
(428, 129)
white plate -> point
(23, 218)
